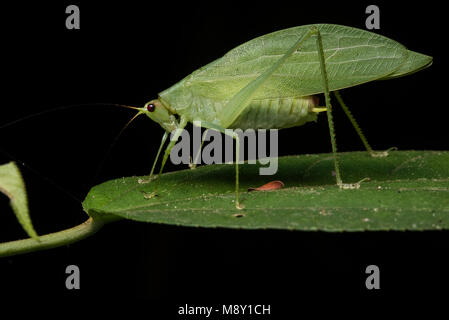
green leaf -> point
(408, 190)
(12, 185)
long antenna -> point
(41, 113)
(111, 146)
(50, 181)
(36, 172)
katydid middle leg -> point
(195, 161)
(236, 137)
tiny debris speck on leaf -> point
(273, 185)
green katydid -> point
(269, 83)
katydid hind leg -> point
(359, 130)
(320, 50)
(329, 115)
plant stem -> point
(52, 240)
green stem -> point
(51, 240)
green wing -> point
(353, 56)
(415, 62)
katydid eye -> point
(151, 107)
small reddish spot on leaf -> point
(273, 185)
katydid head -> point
(160, 114)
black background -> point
(126, 52)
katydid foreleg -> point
(164, 138)
(173, 139)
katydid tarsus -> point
(270, 83)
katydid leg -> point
(195, 161)
(319, 43)
(173, 139)
(359, 131)
(235, 136)
(340, 183)
(164, 138)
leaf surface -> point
(12, 185)
(408, 190)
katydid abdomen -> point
(277, 113)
